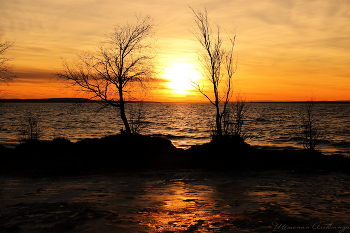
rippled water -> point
(268, 124)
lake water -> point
(272, 125)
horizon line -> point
(80, 100)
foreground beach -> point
(177, 201)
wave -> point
(344, 144)
(260, 119)
(168, 136)
(146, 122)
(202, 137)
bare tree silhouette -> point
(121, 67)
(6, 74)
(218, 66)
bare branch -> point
(6, 74)
(200, 89)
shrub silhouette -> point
(30, 129)
(309, 130)
(233, 119)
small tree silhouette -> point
(310, 133)
(30, 129)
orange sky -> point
(286, 50)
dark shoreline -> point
(136, 152)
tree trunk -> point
(122, 112)
(218, 122)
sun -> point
(179, 75)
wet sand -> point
(177, 201)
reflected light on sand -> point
(183, 207)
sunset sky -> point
(286, 50)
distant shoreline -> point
(60, 100)
(83, 100)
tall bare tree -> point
(217, 65)
(6, 74)
(120, 67)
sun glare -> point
(179, 75)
